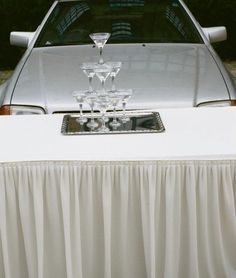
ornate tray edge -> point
(157, 116)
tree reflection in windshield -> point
(128, 21)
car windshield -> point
(128, 21)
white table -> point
(155, 205)
(190, 134)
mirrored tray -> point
(141, 122)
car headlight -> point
(220, 103)
(21, 110)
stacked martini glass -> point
(102, 99)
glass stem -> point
(103, 86)
(81, 109)
(90, 85)
(124, 108)
(100, 53)
(114, 114)
(113, 87)
(92, 114)
(125, 118)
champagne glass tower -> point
(102, 72)
(80, 97)
(116, 66)
(88, 69)
(103, 99)
(100, 40)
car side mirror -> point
(215, 34)
(21, 39)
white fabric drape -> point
(166, 219)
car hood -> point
(161, 75)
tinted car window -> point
(128, 21)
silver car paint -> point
(162, 75)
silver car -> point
(167, 57)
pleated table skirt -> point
(156, 219)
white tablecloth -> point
(143, 206)
(151, 219)
(190, 134)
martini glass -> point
(91, 100)
(100, 40)
(102, 72)
(88, 69)
(115, 66)
(80, 97)
(103, 103)
(115, 99)
(125, 97)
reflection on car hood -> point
(161, 75)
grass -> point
(4, 75)
(231, 66)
